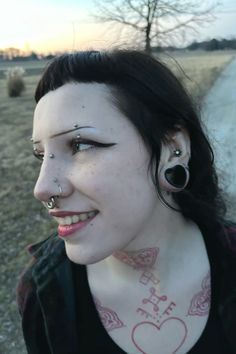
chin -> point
(81, 256)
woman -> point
(142, 260)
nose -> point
(52, 181)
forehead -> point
(76, 103)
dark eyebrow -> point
(62, 133)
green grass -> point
(24, 220)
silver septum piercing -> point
(51, 204)
(177, 152)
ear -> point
(173, 173)
(178, 140)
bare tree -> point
(155, 21)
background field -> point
(22, 219)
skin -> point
(147, 252)
(112, 180)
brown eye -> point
(78, 145)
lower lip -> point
(66, 230)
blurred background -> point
(196, 39)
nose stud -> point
(52, 201)
(55, 180)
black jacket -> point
(46, 297)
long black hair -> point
(154, 100)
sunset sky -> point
(57, 25)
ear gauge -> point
(174, 179)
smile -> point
(73, 219)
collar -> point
(53, 277)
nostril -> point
(41, 195)
(42, 190)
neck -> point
(157, 246)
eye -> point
(78, 145)
(38, 154)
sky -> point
(57, 25)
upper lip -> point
(68, 213)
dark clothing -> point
(59, 315)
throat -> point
(142, 259)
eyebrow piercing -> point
(76, 125)
(51, 156)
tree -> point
(156, 21)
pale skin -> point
(155, 296)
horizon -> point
(53, 26)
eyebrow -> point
(64, 132)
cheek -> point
(116, 179)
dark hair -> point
(152, 98)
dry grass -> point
(197, 70)
(22, 219)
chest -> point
(145, 313)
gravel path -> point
(219, 115)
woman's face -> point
(100, 167)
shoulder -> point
(227, 284)
(44, 255)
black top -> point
(50, 310)
(93, 338)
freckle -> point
(83, 106)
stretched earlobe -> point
(174, 179)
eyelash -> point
(78, 142)
(73, 145)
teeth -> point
(75, 218)
(83, 216)
(68, 220)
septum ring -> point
(51, 204)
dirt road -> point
(219, 115)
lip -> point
(67, 230)
(65, 213)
